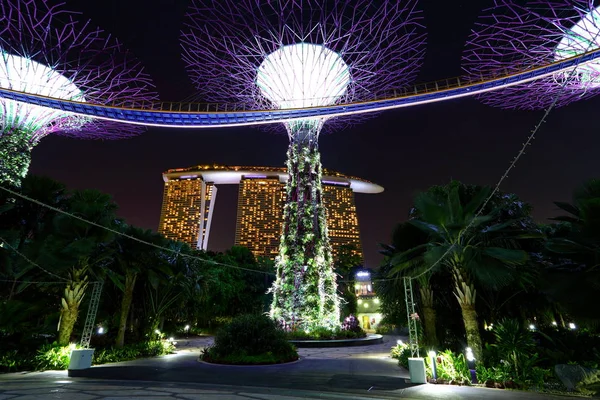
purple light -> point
(58, 56)
(225, 42)
(289, 54)
(510, 38)
(255, 176)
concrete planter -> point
(80, 359)
(416, 368)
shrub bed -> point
(55, 357)
(350, 330)
(250, 340)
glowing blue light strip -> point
(177, 119)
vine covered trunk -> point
(15, 156)
(305, 290)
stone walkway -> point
(365, 372)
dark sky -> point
(404, 150)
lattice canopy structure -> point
(510, 37)
(45, 50)
(302, 53)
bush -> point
(53, 356)
(401, 352)
(566, 346)
(452, 368)
(351, 324)
(16, 360)
(385, 329)
(133, 351)
(513, 359)
(250, 339)
(350, 330)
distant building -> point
(367, 303)
(190, 195)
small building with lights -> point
(367, 302)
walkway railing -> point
(198, 115)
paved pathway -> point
(325, 369)
(364, 372)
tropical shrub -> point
(385, 329)
(452, 368)
(401, 352)
(133, 351)
(250, 339)
(567, 346)
(54, 356)
(322, 333)
(512, 360)
(16, 360)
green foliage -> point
(133, 351)
(250, 336)
(452, 368)
(590, 385)
(401, 352)
(53, 356)
(322, 333)
(228, 292)
(566, 346)
(384, 329)
(514, 343)
(305, 292)
(16, 360)
(573, 254)
(512, 360)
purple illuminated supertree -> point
(294, 54)
(45, 51)
(512, 38)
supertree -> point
(292, 54)
(44, 50)
(511, 37)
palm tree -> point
(405, 237)
(24, 221)
(474, 248)
(131, 259)
(80, 248)
(574, 250)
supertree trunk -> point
(305, 291)
(15, 156)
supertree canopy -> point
(302, 53)
(45, 51)
(512, 37)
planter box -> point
(416, 368)
(80, 359)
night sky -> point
(404, 150)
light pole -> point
(432, 355)
(471, 364)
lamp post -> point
(432, 355)
(471, 364)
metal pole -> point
(413, 341)
(90, 320)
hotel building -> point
(190, 195)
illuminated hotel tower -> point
(190, 194)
